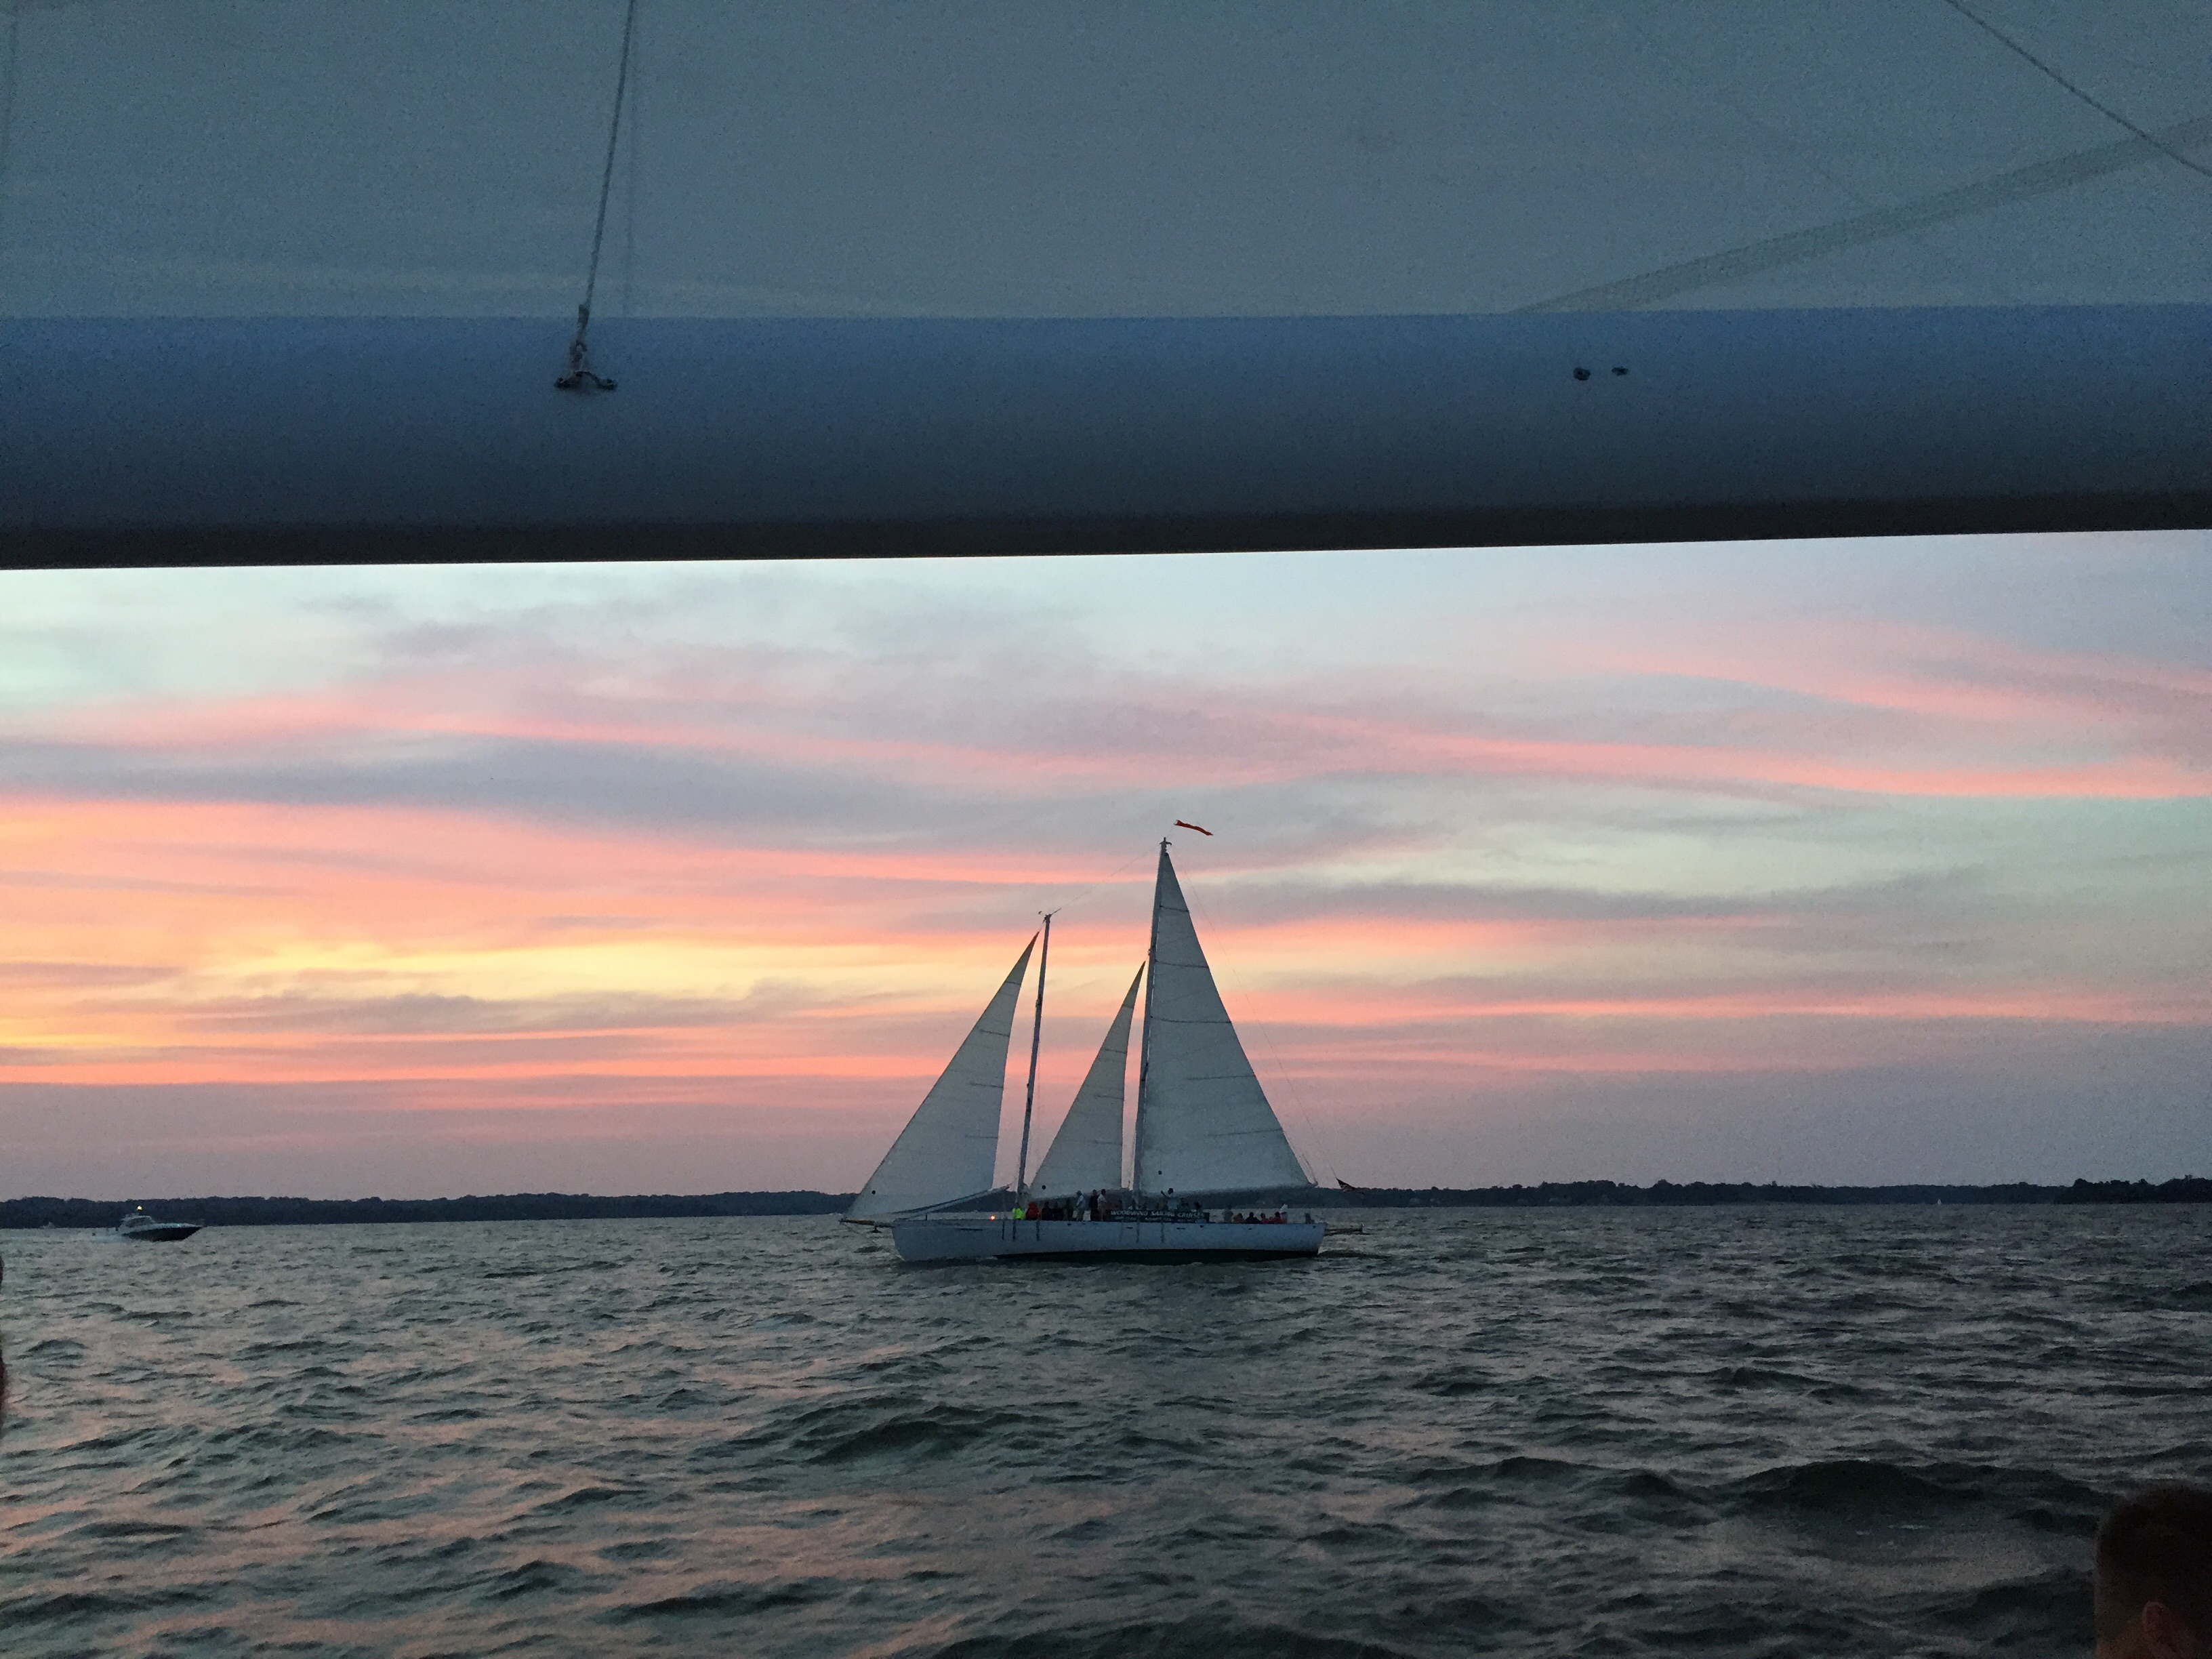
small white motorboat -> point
(147, 1230)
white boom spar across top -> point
(949, 1144)
(1086, 1153)
(1203, 1121)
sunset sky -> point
(1831, 862)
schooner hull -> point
(985, 1238)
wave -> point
(1875, 1489)
(2025, 1612)
(1745, 1378)
(148, 1529)
(294, 1345)
(1207, 1635)
(538, 1577)
(1479, 1486)
(722, 1601)
(120, 1439)
(547, 1269)
(278, 1436)
(832, 1436)
(70, 1607)
(859, 1430)
(1660, 1498)
(585, 1497)
(1452, 1384)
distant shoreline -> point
(81, 1212)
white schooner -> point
(1204, 1131)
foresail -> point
(1203, 1121)
(1086, 1153)
(949, 1145)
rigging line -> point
(6, 105)
(2022, 185)
(2102, 108)
(630, 193)
(579, 377)
(1104, 880)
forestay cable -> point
(581, 376)
(2094, 103)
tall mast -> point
(1145, 1048)
(1037, 1034)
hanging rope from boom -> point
(581, 376)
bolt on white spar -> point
(1203, 1125)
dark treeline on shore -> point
(2188, 1189)
(584, 1207)
(502, 1207)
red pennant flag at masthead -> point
(1180, 824)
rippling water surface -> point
(1715, 1431)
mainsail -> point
(1203, 1121)
(1086, 1153)
(949, 1145)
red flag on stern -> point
(1180, 824)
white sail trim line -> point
(1203, 1122)
(949, 1144)
(1086, 1153)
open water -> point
(1615, 1431)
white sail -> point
(1086, 1153)
(1203, 1121)
(949, 1145)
